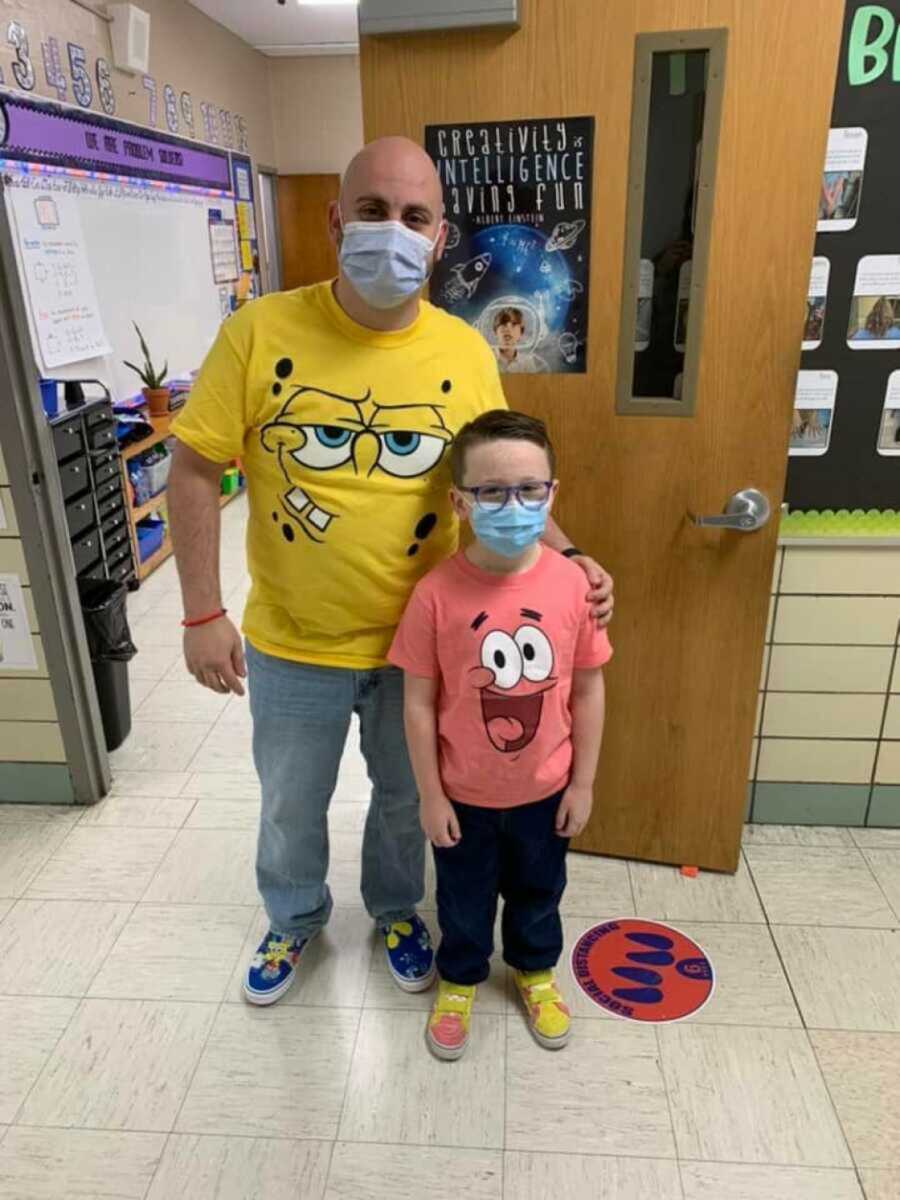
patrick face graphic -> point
(516, 671)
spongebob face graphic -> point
(515, 672)
(321, 439)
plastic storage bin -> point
(158, 473)
(150, 534)
(231, 481)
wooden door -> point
(691, 602)
(307, 256)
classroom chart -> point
(58, 277)
(140, 227)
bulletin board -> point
(845, 442)
(137, 226)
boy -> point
(509, 329)
(504, 708)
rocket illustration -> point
(467, 276)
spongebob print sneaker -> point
(273, 967)
(410, 956)
(447, 1031)
(548, 1017)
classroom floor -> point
(132, 1069)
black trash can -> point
(111, 648)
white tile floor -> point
(132, 1069)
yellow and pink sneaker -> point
(548, 1016)
(447, 1032)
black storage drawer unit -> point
(116, 520)
(110, 506)
(97, 414)
(74, 477)
(101, 437)
(114, 546)
(123, 572)
(90, 472)
(106, 491)
(80, 515)
(68, 439)
(86, 551)
(104, 471)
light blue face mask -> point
(385, 262)
(510, 530)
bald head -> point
(393, 179)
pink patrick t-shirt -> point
(503, 648)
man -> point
(341, 400)
(509, 327)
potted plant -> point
(155, 393)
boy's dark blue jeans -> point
(508, 852)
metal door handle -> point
(746, 511)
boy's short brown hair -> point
(498, 425)
(508, 316)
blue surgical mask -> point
(510, 530)
(385, 262)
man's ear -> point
(441, 240)
(279, 435)
(334, 222)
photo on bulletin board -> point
(644, 321)
(875, 308)
(889, 428)
(842, 180)
(816, 303)
(517, 199)
(813, 413)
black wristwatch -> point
(573, 552)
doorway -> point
(637, 463)
(302, 207)
(270, 259)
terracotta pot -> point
(158, 399)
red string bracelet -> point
(205, 620)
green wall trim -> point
(35, 783)
(810, 803)
(829, 524)
(885, 810)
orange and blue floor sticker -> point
(642, 970)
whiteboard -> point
(148, 249)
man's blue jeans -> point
(301, 715)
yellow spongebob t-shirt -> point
(344, 434)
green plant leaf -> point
(137, 370)
(144, 350)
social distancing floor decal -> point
(642, 970)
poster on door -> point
(813, 412)
(517, 200)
